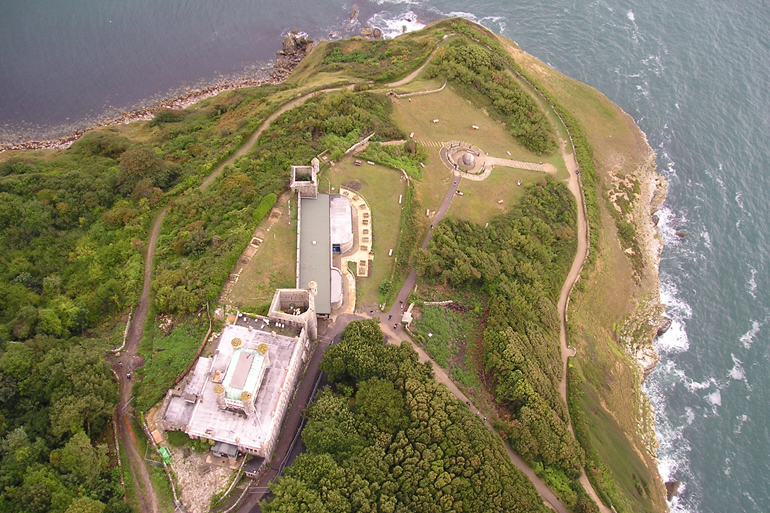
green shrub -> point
(167, 116)
(266, 204)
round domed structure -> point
(468, 159)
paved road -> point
(286, 448)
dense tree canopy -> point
(73, 225)
(388, 438)
(520, 260)
(54, 402)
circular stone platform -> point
(466, 158)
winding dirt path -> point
(574, 272)
(128, 359)
(411, 76)
(577, 265)
(253, 139)
(390, 325)
(581, 254)
(126, 363)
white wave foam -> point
(462, 14)
(673, 460)
(675, 340)
(668, 224)
(748, 338)
(715, 398)
(674, 449)
(397, 2)
(630, 15)
(737, 371)
(738, 200)
(393, 26)
(706, 238)
(752, 284)
(499, 20)
(693, 385)
(741, 420)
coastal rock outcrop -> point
(295, 47)
(664, 326)
(371, 32)
(672, 490)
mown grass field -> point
(381, 187)
(479, 202)
(274, 264)
(456, 117)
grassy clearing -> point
(378, 60)
(492, 137)
(456, 117)
(274, 264)
(166, 356)
(381, 187)
(466, 364)
(435, 182)
(437, 331)
(420, 83)
(479, 202)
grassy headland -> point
(75, 223)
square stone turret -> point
(304, 180)
(296, 308)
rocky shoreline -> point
(295, 47)
(651, 198)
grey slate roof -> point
(315, 250)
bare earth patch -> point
(198, 478)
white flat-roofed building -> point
(239, 396)
(341, 223)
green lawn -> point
(274, 264)
(479, 202)
(420, 83)
(457, 116)
(433, 185)
(381, 187)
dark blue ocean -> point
(693, 74)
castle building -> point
(238, 396)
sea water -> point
(694, 75)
